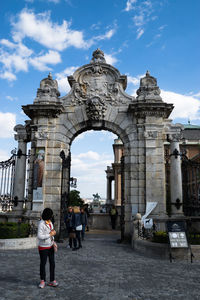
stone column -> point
(175, 176)
(20, 168)
(108, 190)
(109, 177)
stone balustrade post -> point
(20, 169)
(175, 176)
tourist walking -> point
(113, 216)
(77, 226)
(69, 226)
(46, 247)
(83, 222)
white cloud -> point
(143, 11)
(40, 62)
(11, 98)
(187, 107)
(7, 43)
(110, 59)
(95, 26)
(89, 168)
(14, 58)
(41, 29)
(130, 5)
(107, 135)
(61, 78)
(4, 155)
(8, 76)
(106, 36)
(54, 1)
(133, 83)
(134, 80)
(139, 20)
(197, 95)
(89, 155)
(7, 123)
(140, 32)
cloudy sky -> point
(39, 36)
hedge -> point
(11, 230)
(160, 237)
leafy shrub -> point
(160, 237)
(194, 238)
(14, 230)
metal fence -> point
(7, 176)
(7, 179)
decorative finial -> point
(147, 73)
(98, 56)
(50, 76)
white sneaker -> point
(53, 283)
(42, 284)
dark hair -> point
(47, 214)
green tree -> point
(75, 199)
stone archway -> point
(98, 101)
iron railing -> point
(7, 176)
(7, 179)
(190, 169)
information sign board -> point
(177, 235)
(178, 239)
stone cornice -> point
(43, 110)
(157, 109)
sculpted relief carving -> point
(97, 79)
(95, 108)
(96, 82)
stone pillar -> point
(108, 190)
(20, 169)
(109, 177)
(117, 176)
(175, 176)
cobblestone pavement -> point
(101, 270)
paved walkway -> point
(101, 270)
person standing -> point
(83, 222)
(69, 226)
(88, 215)
(46, 244)
(77, 226)
(113, 216)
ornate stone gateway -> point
(98, 101)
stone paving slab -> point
(101, 270)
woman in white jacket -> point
(46, 242)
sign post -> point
(177, 237)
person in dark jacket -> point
(77, 226)
(69, 227)
(88, 215)
(113, 216)
(83, 222)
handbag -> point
(72, 235)
(79, 227)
